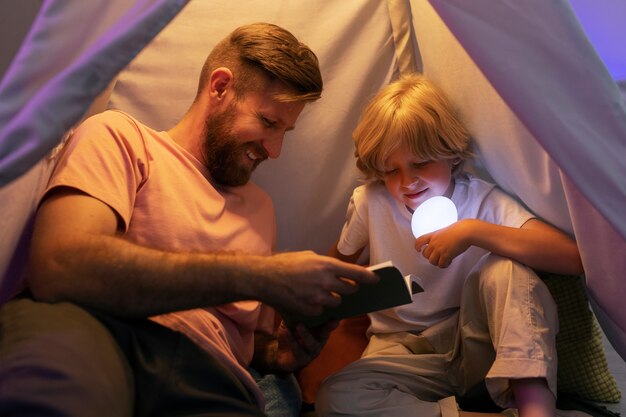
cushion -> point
(582, 372)
(583, 369)
(345, 345)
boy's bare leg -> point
(533, 398)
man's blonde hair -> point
(409, 113)
(261, 53)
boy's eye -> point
(421, 164)
(390, 172)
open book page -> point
(393, 289)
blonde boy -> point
(484, 315)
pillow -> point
(345, 345)
(583, 370)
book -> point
(392, 290)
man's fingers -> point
(356, 273)
(345, 286)
(336, 299)
(307, 341)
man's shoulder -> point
(115, 119)
(114, 128)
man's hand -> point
(305, 282)
(290, 349)
(300, 345)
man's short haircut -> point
(261, 53)
(410, 113)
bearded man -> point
(152, 261)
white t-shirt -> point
(377, 220)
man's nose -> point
(274, 144)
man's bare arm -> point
(78, 255)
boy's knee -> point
(499, 279)
(497, 273)
(498, 269)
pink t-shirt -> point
(166, 201)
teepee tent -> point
(537, 83)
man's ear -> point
(220, 83)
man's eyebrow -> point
(287, 127)
(276, 120)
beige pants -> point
(505, 329)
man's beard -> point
(223, 153)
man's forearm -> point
(114, 275)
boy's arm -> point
(535, 244)
(334, 252)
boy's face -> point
(412, 180)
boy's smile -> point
(412, 180)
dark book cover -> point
(392, 290)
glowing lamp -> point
(433, 214)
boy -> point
(484, 314)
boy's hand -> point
(442, 246)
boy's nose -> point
(408, 179)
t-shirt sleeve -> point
(105, 158)
(500, 208)
(355, 234)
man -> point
(137, 223)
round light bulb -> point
(433, 214)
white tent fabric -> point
(548, 119)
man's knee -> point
(57, 358)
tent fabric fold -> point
(407, 52)
(58, 72)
